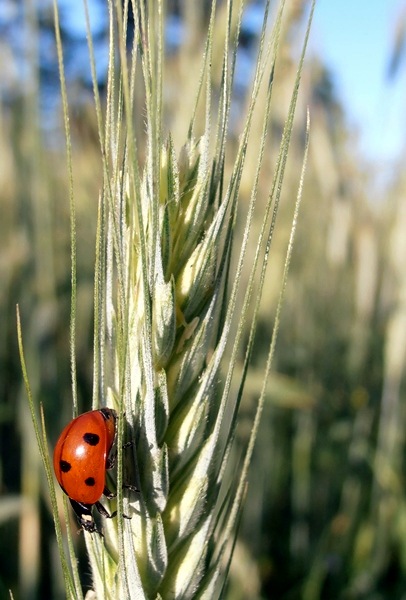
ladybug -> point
(83, 453)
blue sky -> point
(355, 39)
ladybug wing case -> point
(80, 457)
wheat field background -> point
(325, 512)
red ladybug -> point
(82, 454)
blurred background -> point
(325, 514)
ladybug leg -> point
(127, 486)
(104, 512)
(108, 493)
(132, 488)
(111, 460)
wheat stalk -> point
(166, 314)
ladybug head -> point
(85, 517)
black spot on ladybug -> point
(90, 481)
(91, 438)
(65, 466)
